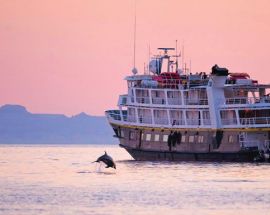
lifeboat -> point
(168, 80)
(235, 76)
(240, 78)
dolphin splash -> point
(107, 160)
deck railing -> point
(240, 100)
(206, 121)
(232, 121)
(145, 120)
(247, 122)
(194, 101)
(175, 85)
(170, 101)
(161, 121)
(174, 101)
(131, 118)
(143, 100)
(177, 121)
(255, 121)
(116, 116)
(246, 100)
(156, 100)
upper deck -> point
(175, 99)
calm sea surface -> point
(60, 179)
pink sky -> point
(71, 56)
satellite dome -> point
(134, 71)
(155, 66)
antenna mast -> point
(134, 70)
(149, 55)
(176, 54)
(183, 54)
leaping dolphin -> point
(107, 160)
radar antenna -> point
(166, 56)
(166, 50)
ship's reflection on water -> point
(60, 179)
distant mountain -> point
(17, 125)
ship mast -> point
(134, 70)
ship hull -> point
(152, 144)
(150, 155)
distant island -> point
(18, 126)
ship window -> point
(132, 135)
(183, 139)
(230, 138)
(200, 139)
(156, 137)
(148, 137)
(165, 138)
(191, 139)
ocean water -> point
(60, 179)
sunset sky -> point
(71, 56)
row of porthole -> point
(184, 138)
(156, 137)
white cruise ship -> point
(173, 115)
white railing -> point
(143, 100)
(196, 102)
(161, 121)
(156, 100)
(247, 122)
(174, 101)
(173, 84)
(115, 116)
(255, 121)
(145, 120)
(193, 122)
(177, 121)
(232, 121)
(170, 101)
(242, 100)
(131, 118)
(206, 121)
